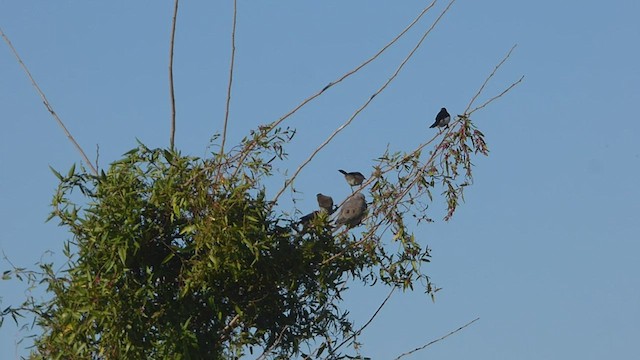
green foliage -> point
(176, 257)
(170, 263)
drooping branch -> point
(47, 104)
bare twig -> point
(486, 81)
(233, 56)
(384, 302)
(436, 340)
(273, 125)
(497, 96)
(356, 69)
(171, 88)
(47, 104)
(366, 103)
(97, 156)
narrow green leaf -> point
(57, 174)
(168, 257)
(122, 253)
(71, 171)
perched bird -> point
(353, 178)
(352, 211)
(325, 203)
(442, 119)
(305, 220)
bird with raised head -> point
(325, 203)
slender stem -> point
(497, 96)
(233, 56)
(97, 156)
(275, 343)
(171, 87)
(436, 340)
(229, 327)
(357, 68)
(47, 104)
(486, 81)
(384, 302)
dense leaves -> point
(176, 257)
(170, 264)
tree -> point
(174, 256)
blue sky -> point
(545, 248)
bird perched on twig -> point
(352, 211)
(353, 178)
(325, 203)
(305, 220)
(442, 119)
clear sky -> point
(545, 249)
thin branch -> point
(229, 327)
(47, 104)
(356, 69)
(384, 302)
(361, 108)
(273, 346)
(436, 340)
(486, 81)
(97, 156)
(171, 88)
(497, 96)
(273, 125)
(233, 56)
(331, 299)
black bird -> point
(353, 178)
(352, 211)
(442, 119)
(325, 203)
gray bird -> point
(305, 220)
(325, 203)
(352, 211)
(442, 119)
(353, 178)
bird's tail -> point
(343, 172)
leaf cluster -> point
(172, 259)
